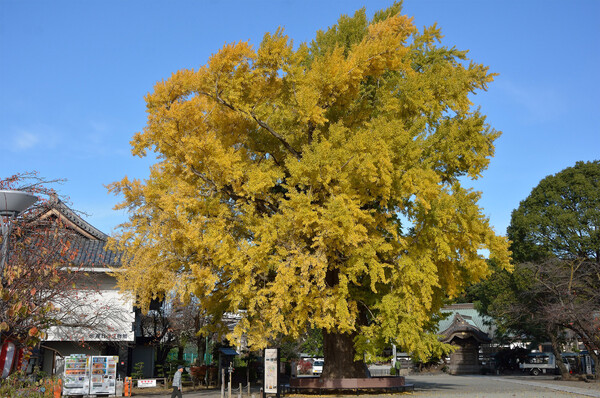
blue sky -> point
(73, 75)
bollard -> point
(119, 387)
(222, 384)
(127, 387)
(240, 391)
(248, 388)
(230, 370)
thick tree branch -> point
(263, 205)
(260, 122)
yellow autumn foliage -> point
(317, 185)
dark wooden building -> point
(466, 330)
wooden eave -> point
(461, 329)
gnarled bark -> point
(339, 352)
(564, 372)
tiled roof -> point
(94, 253)
(77, 220)
(469, 315)
(89, 246)
(461, 328)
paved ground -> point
(499, 386)
(443, 385)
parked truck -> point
(541, 363)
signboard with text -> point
(106, 314)
(271, 371)
(146, 383)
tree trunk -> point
(338, 350)
(162, 353)
(564, 372)
(591, 349)
(200, 340)
(201, 344)
(590, 345)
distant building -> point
(468, 331)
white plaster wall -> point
(106, 314)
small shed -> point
(226, 356)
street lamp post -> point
(11, 204)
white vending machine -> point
(89, 375)
(103, 375)
(77, 375)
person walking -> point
(177, 383)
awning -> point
(228, 351)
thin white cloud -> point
(33, 137)
(539, 104)
(99, 126)
(25, 140)
(94, 141)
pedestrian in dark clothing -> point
(177, 383)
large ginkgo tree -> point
(316, 186)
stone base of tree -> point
(319, 385)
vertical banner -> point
(271, 371)
(7, 356)
(588, 365)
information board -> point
(77, 375)
(271, 370)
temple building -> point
(470, 334)
(100, 320)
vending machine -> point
(77, 375)
(103, 375)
